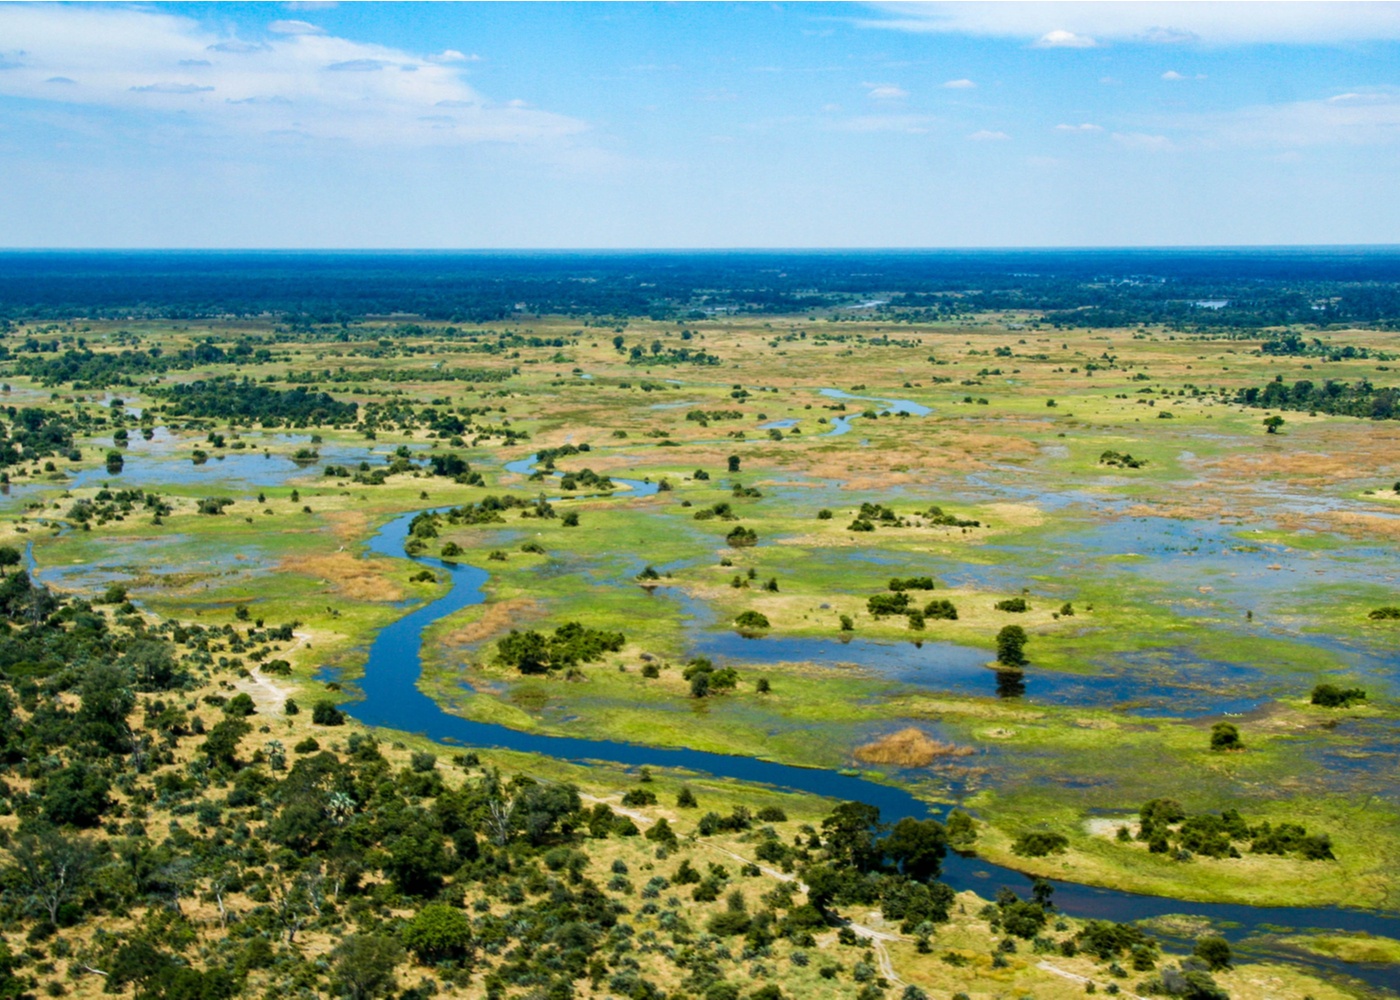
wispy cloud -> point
(171, 88)
(294, 28)
(884, 91)
(1143, 141)
(1307, 22)
(909, 124)
(988, 135)
(963, 84)
(299, 81)
(1060, 38)
(453, 56)
(1082, 128)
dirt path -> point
(268, 697)
(1057, 971)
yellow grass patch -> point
(354, 578)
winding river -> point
(391, 699)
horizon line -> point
(715, 250)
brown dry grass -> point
(354, 578)
(348, 525)
(1364, 525)
(495, 619)
(909, 748)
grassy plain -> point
(1221, 579)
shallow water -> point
(842, 425)
(391, 698)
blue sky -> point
(698, 125)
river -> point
(391, 699)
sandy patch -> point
(909, 748)
(1107, 827)
(269, 698)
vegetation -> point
(237, 598)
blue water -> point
(841, 425)
(391, 699)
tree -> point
(1272, 424)
(917, 846)
(52, 867)
(221, 745)
(324, 713)
(1214, 951)
(733, 463)
(363, 966)
(107, 701)
(417, 861)
(10, 556)
(1225, 736)
(1011, 645)
(76, 796)
(849, 833)
(438, 932)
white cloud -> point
(294, 28)
(1153, 22)
(884, 91)
(313, 85)
(1085, 127)
(1367, 118)
(1059, 38)
(1143, 141)
(986, 135)
(1172, 74)
(963, 84)
(171, 88)
(453, 56)
(909, 124)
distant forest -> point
(1224, 290)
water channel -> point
(391, 699)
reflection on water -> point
(391, 698)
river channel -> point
(391, 699)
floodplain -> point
(831, 521)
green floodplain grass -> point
(1067, 765)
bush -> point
(751, 620)
(1331, 696)
(1225, 736)
(1384, 614)
(741, 537)
(1016, 604)
(639, 797)
(1038, 844)
(1214, 951)
(324, 713)
(438, 932)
